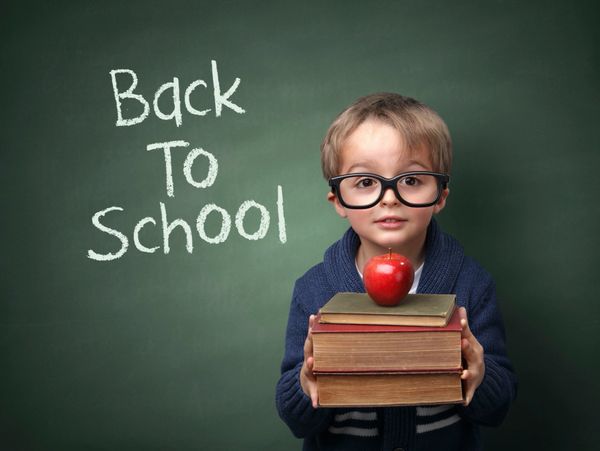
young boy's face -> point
(378, 148)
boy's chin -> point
(399, 244)
(382, 247)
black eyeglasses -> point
(364, 190)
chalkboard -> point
(148, 259)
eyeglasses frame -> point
(442, 179)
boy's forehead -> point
(374, 145)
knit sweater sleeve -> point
(493, 397)
(293, 405)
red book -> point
(351, 348)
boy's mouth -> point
(389, 220)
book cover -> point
(416, 309)
(323, 327)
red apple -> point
(388, 278)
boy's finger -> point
(311, 322)
(314, 397)
(467, 350)
(464, 323)
(467, 399)
(470, 394)
(468, 389)
(308, 345)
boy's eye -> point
(409, 181)
(366, 182)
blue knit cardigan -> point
(446, 270)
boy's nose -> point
(389, 197)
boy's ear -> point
(331, 197)
(442, 202)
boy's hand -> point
(307, 378)
(472, 353)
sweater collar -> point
(443, 259)
(340, 264)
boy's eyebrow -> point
(417, 163)
(360, 165)
(369, 168)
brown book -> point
(389, 389)
(344, 348)
(414, 310)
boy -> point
(387, 159)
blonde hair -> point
(418, 125)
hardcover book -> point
(343, 348)
(389, 389)
(415, 310)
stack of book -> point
(368, 355)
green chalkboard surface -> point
(161, 192)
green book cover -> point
(438, 305)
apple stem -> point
(390, 253)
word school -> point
(169, 226)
